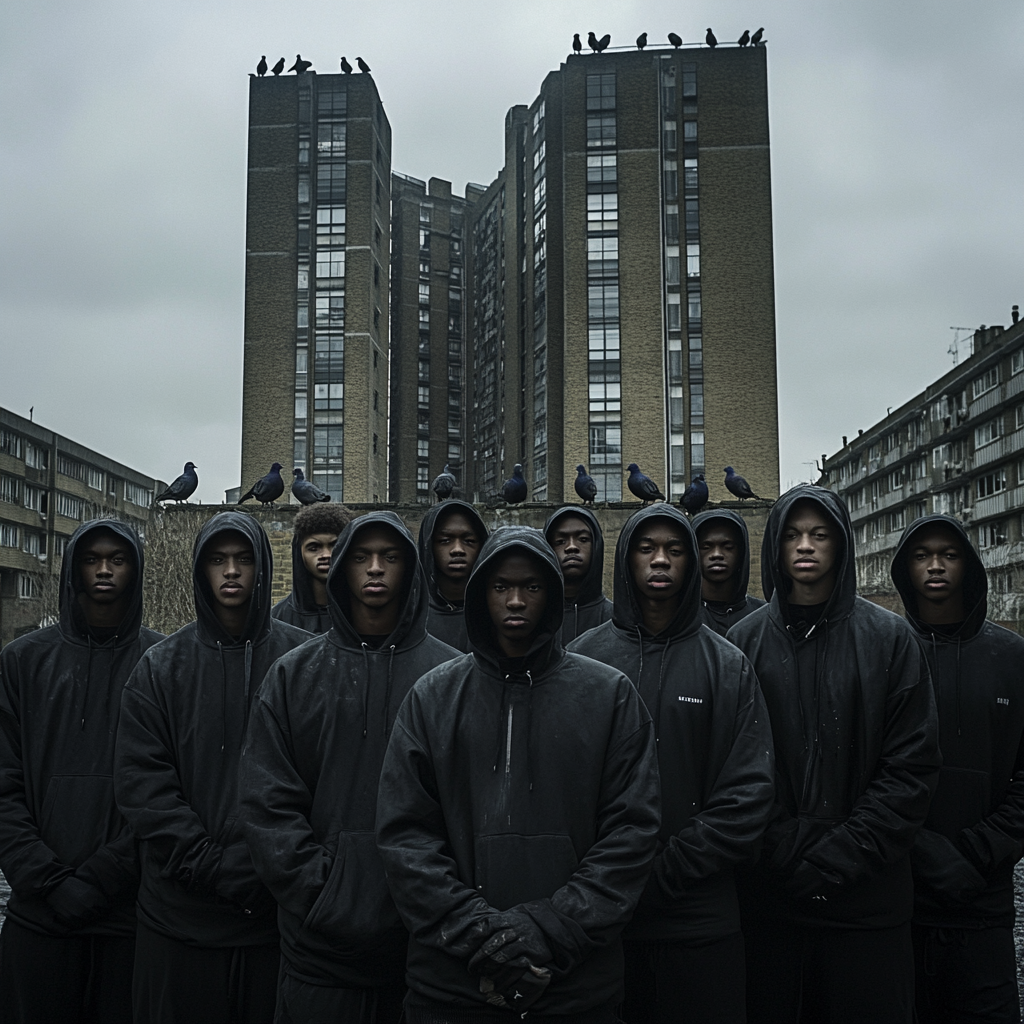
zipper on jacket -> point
(508, 741)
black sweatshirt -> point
(63, 842)
(445, 619)
(856, 744)
(714, 750)
(964, 856)
(722, 617)
(591, 607)
(308, 782)
(184, 713)
(530, 790)
(299, 608)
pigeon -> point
(307, 493)
(182, 488)
(362, 65)
(514, 489)
(278, 67)
(757, 38)
(577, 46)
(261, 68)
(603, 42)
(695, 497)
(745, 38)
(300, 67)
(710, 39)
(585, 486)
(267, 489)
(642, 486)
(346, 67)
(444, 484)
(592, 42)
(735, 484)
(641, 40)
(675, 40)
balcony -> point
(999, 448)
(986, 402)
(999, 503)
(1015, 385)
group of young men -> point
(452, 782)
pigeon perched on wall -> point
(675, 40)
(641, 40)
(306, 492)
(585, 486)
(710, 39)
(757, 38)
(745, 38)
(642, 486)
(514, 489)
(300, 67)
(592, 41)
(346, 67)
(695, 497)
(268, 488)
(183, 488)
(261, 68)
(278, 67)
(362, 65)
(604, 42)
(735, 484)
(577, 46)
(444, 484)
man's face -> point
(229, 565)
(658, 559)
(517, 595)
(810, 543)
(720, 549)
(573, 543)
(375, 566)
(316, 554)
(105, 564)
(455, 546)
(936, 564)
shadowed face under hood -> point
(73, 626)
(975, 590)
(428, 525)
(257, 622)
(591, 586)
(742, 579)
(627, 614)
(504, 541)
(411, 626)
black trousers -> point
(299, 1002)
(966, 976)
(424, 1011)
(804, 975)
(671, 981)
(180, 984)
(85, 979)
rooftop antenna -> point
(954, 349)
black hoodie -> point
(299, 608)
(976, 820)
(60, 697)
(445, 619)
(309, 775)
(721, 617)
(184, 713)
(714, 750)
(856, 744)
(552, 819)
(591, 607)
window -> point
(690, 175)
(69, 506)
(330, 263)
(11, 444)
(36, 457)
(895, 479)
(693, 259)
(603, 301)
(603, 212)
(600, 132)
(601, 92)
(697, 447)
(423, 448)
(10, 489)
(330, 182)
(1019, 417)
(897, 520)
(1017, 361)
(689, 80)
(423, 395)
(425, 215)
(602, 167)
(671, 179)
(422, 478)
(330, 226)
(328, 396)
(424, 241)
(986, 382)
(988, 432)
(35, 498)
(137, 494)
(33, 543)
(689, 131)
(991, 483)
(330, 139)
(992, 534)
(424, 294)
(693, 304)
(668, 137)
(27, 586)
(8, 535)
(94, 478)
(330, 309)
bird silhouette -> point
(300, 67)
(306, 492)
(695, 497)
(592, 42)
(585, 486)
(261, 68)
(603, 42)
(182, 488)
(641, 485)
(346, 67)
(514, 489)
(268, 488)
(577, 46)
(278, 67)
(641, 40)
(710, 39)
(758, 37)
(735, 484)
(362, 65)
(675, 40)
(444, 484)
(745, 38)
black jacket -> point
(183, 717)
(552, 820)
(964, 856)
(62, 840)
(721, 618)
(445, 620)
(309, 776)
(299, 608)
(856, 744)
(591, 607)
(714, 750)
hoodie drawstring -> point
(501, 714)
(88, 677)
(387, 689)
(958, 731)
(366, 688)
(504, 735)
(529, 733)
(223, 698)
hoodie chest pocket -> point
(513, 869)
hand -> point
(514, 989)
(76, 903)
(518, 942)
(807, 882)
(237, 880)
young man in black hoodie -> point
(827, 908)
(517, 815)
(724, 546)
(963, 858)
(316, 531)
(450, 539)
(68, 942)
(574, 534)
(309, 778)
(684, 948)
(207, 947)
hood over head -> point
(546, 644)
(975, 577)
(412, 619)
(742, 579)
(592, 585)
(257, 623)
(627, 614)
(435, 514)
(73, 626)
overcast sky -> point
(897, 165)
